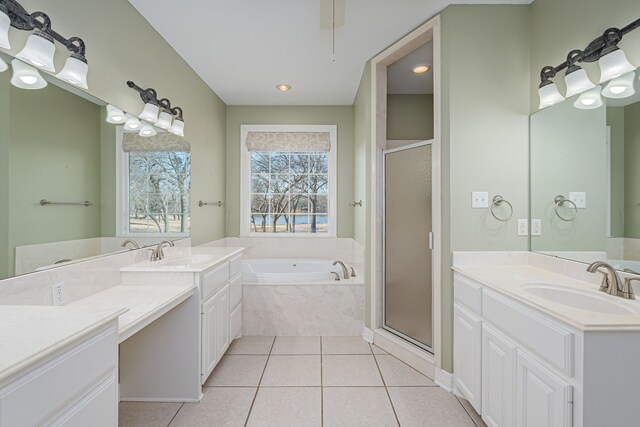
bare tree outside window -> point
(289, 192)
(159, 188)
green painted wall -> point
(615, 120)
(107, 177)
(4, 173)
(121, 46)
(407, 117)
(631, 172)
(55, 159)
(485, 143)
(342, 116)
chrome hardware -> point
(354, 203)
(627, 289)
(218, 203)
(132, 242)
(337, 276)
(158, 253)
(353, 272)
(45, 202)
(345, 272)
(611, 283)
(497, 202)
(559, 201)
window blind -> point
(160, 142)
(288, 141)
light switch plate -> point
(479, 200)
(536, 227)
(523, 227)
(579, 198)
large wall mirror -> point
(57, 147)
(585, 180)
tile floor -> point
(309, 381)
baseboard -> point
(444, 379)
(367, 334)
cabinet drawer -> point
(542, 336)
(97, 409)
(467, 292)
(236, 322)
(236, 291)
(213, 280)
(40, 393)
(235, 265)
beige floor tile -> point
(345, 345)
(287, 406)
(398, 373)
(251, 345)
(472, 412)
(296, 345)
(299, 370)
(220, 407)
(428, 406)
(377, 350)
(350, 371)
(357, 407)
(146, 414)
(234, 371)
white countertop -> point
(145, 303)
(215, 254)
(30, 333)
(510, 279)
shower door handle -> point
(431, 240)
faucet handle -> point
(605, 281)
(353, 272)
(336, 275)
(627, 289)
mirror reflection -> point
(75, 185)
(585, 184)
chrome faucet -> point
(345, 272)
(158, 254)
(611, 282)
(336, 275)
(132, 242)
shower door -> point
(407, 242)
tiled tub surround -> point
(572, 358)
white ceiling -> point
(243, 48)
(402, 80)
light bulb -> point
(115, 115)
(132, 123)
(620, 87)
(25, 76)
(590, 99)
(147, 130)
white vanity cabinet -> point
(467, 337)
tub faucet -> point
(158, 254)
(336, 275)
(611, 282)
(345, 272)
(132, 242)
(353, 272)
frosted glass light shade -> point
(5, 24)
(614, 64)
(178, 127)
(75, 72)
(115, 115)
(150, 112)
(549, 95)
(590, 99)
(164, 120)
(147, 130)
(3, 66)
(38, 51)
(132, 123)
(25, 76)
(621, 87)
(577, 82)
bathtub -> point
(288, 270)
(300, 297)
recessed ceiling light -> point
(421, 68)
(283, 88)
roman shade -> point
(162, 141)
(288, 141)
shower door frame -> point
(384, 245)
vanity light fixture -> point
(3, 66)
(611, 59)
(178, 123)
(165, 118)
(590, 99)
(283, 87)
(115, 115)
(132, 123)
(620, 87)
(159, 111)
(421, 68)
(147, 130)
(40, 49)
(25, 76)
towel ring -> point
(560, 201)
(497, 202)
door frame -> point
(428, 32)
(384, 242)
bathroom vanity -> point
(536, 343)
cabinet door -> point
(543, 398)
(466, 354)
(498, 379)
(222, 324)
(209, 343)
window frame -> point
(245, 178)
(122, 196)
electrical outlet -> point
(579, 198)
(479, 200)
(523, 227)
(536, 227)
(57, 291)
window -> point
(288, 180)
(155, 186)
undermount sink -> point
(584, 300)
(185, 261)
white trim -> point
(245, 182)
(445, 380)
(367, 335)
(413, 356)
(608, 170)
